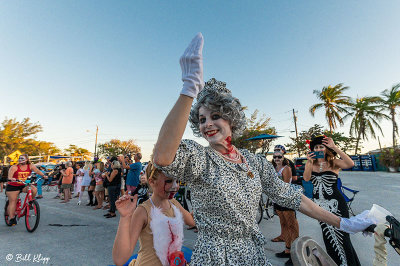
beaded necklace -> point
(237, 158)
(321, 166)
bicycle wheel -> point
(260, 212)
(269, 209)
(6, 214)
(32, 216)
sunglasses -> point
(277, 157)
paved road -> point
(91, 242)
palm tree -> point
(334, 102)
(390, 101)
(366, 113)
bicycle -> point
(51, 187)
(265, 206)
(30, 209)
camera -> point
(393, 232)
(318, 154)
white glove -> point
(192, 67)
(356, 223)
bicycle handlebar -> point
(26, 181)
(21, 181)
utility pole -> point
(95, 145)
(297, 136)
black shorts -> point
(93, 183)
(14, 188)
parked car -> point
(300, 165)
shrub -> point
(390, 157)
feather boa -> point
(165, 242)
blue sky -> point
(72, 65)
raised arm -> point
(345, 161)
(123, 164)
(309, 166)
(174, 125)
(172, 131)
(130, 225)
(37, 171)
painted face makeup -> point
(22, 159)
(171, 187)
(215, 129)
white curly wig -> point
(217, 98)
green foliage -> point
(16, 135)
(334, 103)
(115, 147)
(346, 144)
(74, 150)
(255, 126)
(300, 142)
(366, 113)
(40, 148)
(390, 101)
(390, 157)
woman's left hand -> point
(328, 142)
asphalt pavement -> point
(69, 234)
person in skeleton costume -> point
(157, 223)
(323, 173)
(225, 182)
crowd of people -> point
(104, 182)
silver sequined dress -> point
(225, 201)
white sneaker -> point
(79, 203)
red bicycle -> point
(30, 209)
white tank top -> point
(280, 173)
